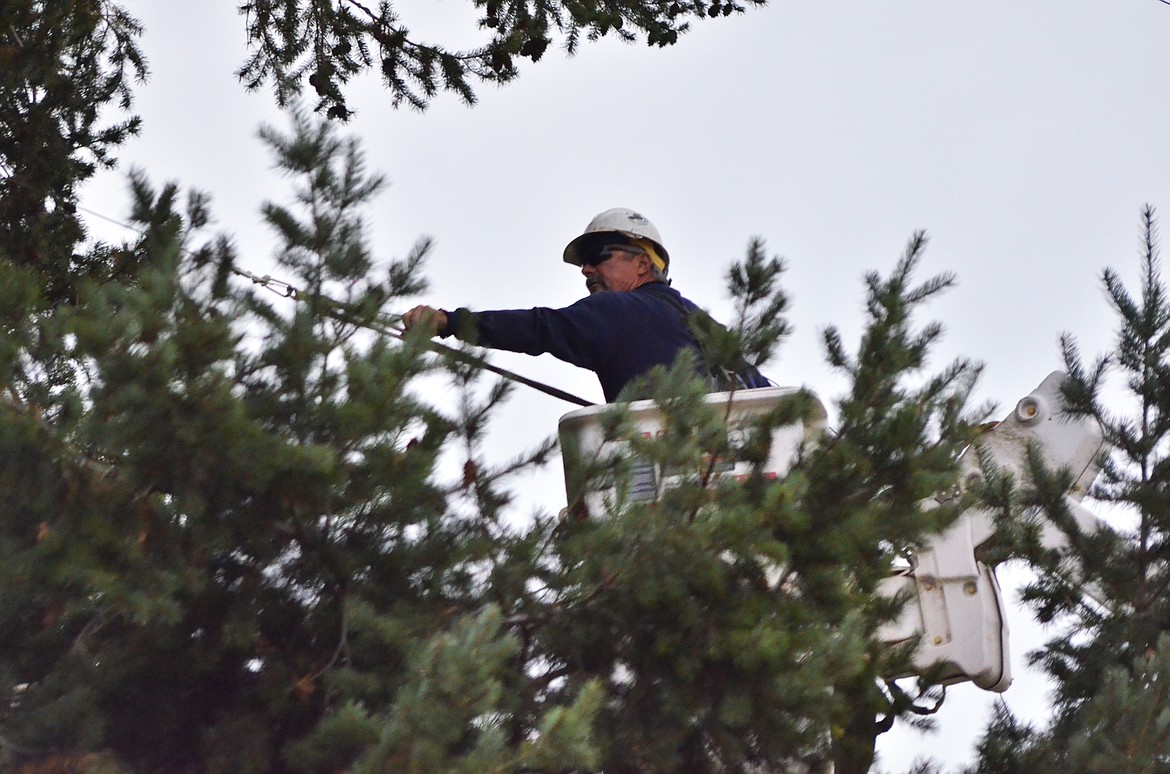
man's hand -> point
(430, 319)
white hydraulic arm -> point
(956, 608)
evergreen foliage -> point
(1124, 727)
(330, 43)
(232, 554)
(63, 66)
(1108, 587)
(241, 539)
(231, 538)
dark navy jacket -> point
(619, 335)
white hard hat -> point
(619, 220)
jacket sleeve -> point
(573, 334)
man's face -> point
(616, 268)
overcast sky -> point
(1023, 135)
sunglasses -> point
(603, 254)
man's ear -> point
(645, 265)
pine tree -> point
(239, 556)
(242, 542)
(329, 44)
(230, 541)
(64, 66)
(1107, 589)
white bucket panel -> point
(582, 439)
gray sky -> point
(1023, 135)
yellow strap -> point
(648, 246)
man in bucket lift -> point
(631, 321)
